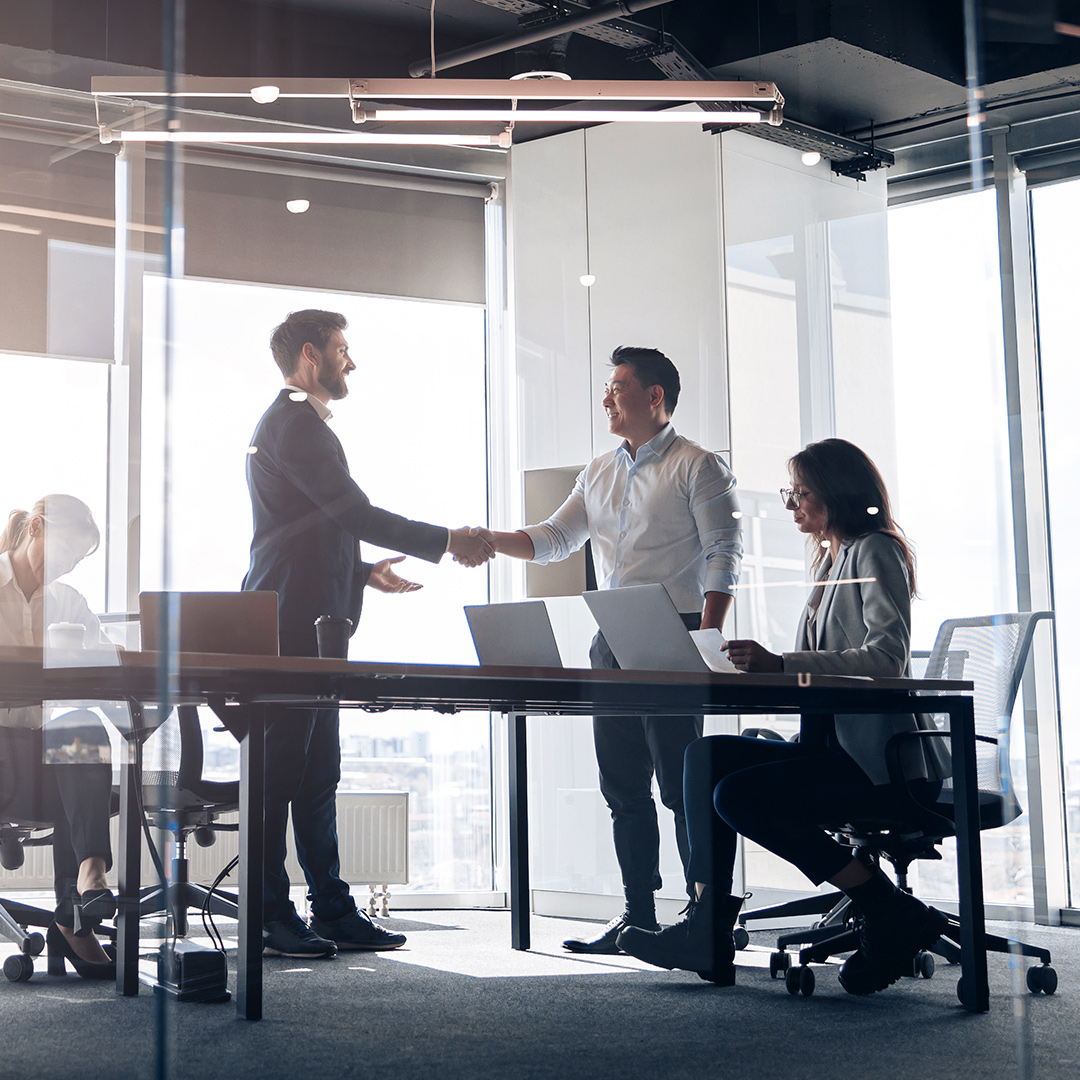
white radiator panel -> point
(373, 833)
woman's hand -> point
(748, 655)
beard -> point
(333, 382)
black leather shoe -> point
(606, 941)
(887, 946)
(356, 931)
(701, 942)
(60, 951)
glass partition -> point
(1056, 229)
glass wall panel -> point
(416, 409)
(1056, 222)
(953, 494)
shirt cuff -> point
(446, 549)
(721, 581)
(543, 547)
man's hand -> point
(471, 547)
(384, 577)
(748, 655)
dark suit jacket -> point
(309, 515)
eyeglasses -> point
(790, 495)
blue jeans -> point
(303, 767)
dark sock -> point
(641, 909)
(874, 898)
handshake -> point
(472, 547)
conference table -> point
(239, 688)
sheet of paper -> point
(708, 643)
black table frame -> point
(240, 688)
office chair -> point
(991, 651)
(18, 754)
(16, 918)
(183, 803)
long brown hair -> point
(853, 493)
(63, 512)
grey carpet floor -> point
(456, 1001)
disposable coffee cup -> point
(66, 635)
(333, 637)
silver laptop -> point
(242, 623)
(644, 629)
(513, 635)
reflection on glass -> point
(1056, 217)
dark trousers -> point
(630, 750)
(74, 798)
(303, 767)
(774, 793)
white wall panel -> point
(655, 246)
(551, 307)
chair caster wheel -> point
(778, 962)
(924, 965)
(800, 980)
(1042, 979)
(34, 944)
(741, 936)
(19, 967)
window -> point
(1056, 220)
(414, 431)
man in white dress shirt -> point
(658, 509)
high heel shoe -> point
(91, 908)
(60, 949)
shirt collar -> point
(323, 412)
(6, 571)
(657, 445)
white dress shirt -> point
(670, 515)
(23, 622)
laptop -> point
(513, 635)
(241, 623)
(644, 629)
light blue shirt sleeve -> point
(714, 505)
(565, 531)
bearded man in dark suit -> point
(309, 517)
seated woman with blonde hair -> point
(36, 548)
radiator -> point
(373, 832)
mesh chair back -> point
(991, 651)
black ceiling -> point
(840, 63)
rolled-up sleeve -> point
(714, 505)
(565, 531)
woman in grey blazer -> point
(856, 622)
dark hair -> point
(651, 368)
(853, 493)
(301, 327)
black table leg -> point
(975, 986)
(519, 832)
(250, 943)
(128, 877)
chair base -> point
(183, 895)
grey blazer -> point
(865, 629)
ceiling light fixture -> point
(811, 158)
(497, 101)
(298, 206)
(270, 136)
(264, 95)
